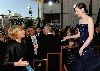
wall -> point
(69, 18)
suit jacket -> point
(49, 44)
(2, 49)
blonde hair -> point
(13, 31)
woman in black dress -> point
(88, 60)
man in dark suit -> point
(28, 39)
(49, 43)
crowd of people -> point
(20, 45)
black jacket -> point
(14, 52)
(2, 49)
(49, 44)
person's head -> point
(16, 32)
(27, 33)
(31, 31)
(38, 29)
(47, 29)
(80, 9)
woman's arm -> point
(73, 36)
(9, 62)
(7, 57)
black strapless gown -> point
(90, 60)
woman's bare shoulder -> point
(90, 18)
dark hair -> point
(2, 31)
(82, 5)
(49, 27)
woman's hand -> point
(21, 63)
(81, 51)
(67, 37)
(64, 38)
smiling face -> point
(80, 9)
(79, 12)
(31, 31)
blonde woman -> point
(17, 55)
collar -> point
(48, 33)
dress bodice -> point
(83, 28)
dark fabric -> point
(14, 52)
(41, 49)
(48, 44)
(28, 41)
(2, 49)
(69, 55)
(90, 60)
(97, 38)
(29, 44)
